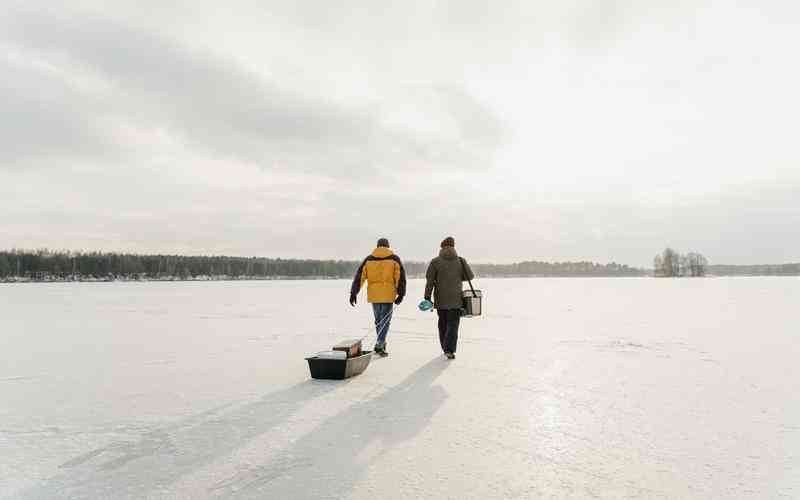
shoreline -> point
(171, 279)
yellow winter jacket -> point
(385, 276)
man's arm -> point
(430, 280)
(400, 277)
(467, 271)
(364, 273)
(358, 281)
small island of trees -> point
(670, 264)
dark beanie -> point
(448, 242)
(383, 242)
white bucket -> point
(472, 303)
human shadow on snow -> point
(329, 461)
(162, 454)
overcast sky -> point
(570, 130)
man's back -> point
(386, 284)
(444, 278)
(385, 276)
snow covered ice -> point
(565, 388)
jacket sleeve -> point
(400, 278)
(358, 279)
(468, 271)
(430, 280)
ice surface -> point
(565, 388)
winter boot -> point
(380, 349)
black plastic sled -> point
(338, 369)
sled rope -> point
(378, 326)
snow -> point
(565, 388)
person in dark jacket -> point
(386, 285)
(444, 278)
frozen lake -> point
(566, 388)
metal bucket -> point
(472, 303)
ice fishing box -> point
(472, 303)
(352, 347)
(332, 355)
(338, 369)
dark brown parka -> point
(444, 277)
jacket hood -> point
(448, 253)
(382, 252)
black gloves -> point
(398, 300)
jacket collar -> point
(382, 252)
(448, 253)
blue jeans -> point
(381, 312)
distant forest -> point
(46, 265)
(755, 270)
(556, 269)
(50, 265)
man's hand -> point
(353, 299)
(398, 300)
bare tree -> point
(702, 264)
(697, 264)
(683, 261)
(671, 263)
(658, 265)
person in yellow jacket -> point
(386, 285)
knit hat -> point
(448, 242)
(383, 242)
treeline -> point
(755, 270)
(45, 264)
(98, 264)
(556, 269)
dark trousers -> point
(448, 328)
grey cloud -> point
(158, 129)
(476, 123)
(211, 103)
(44, 119)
